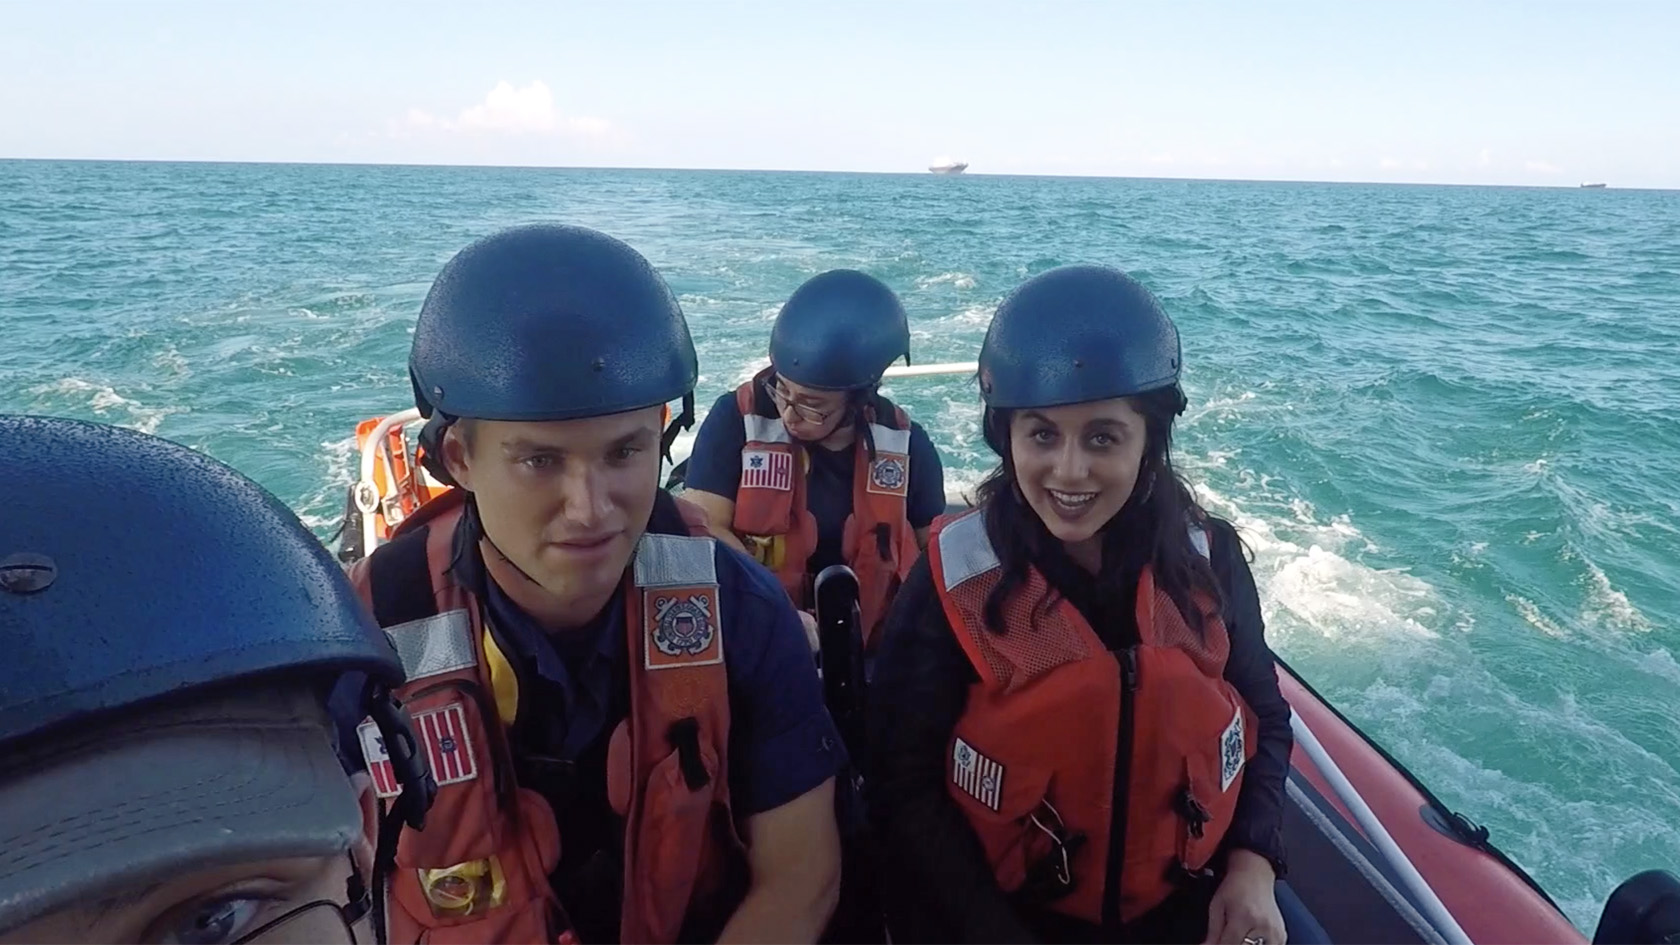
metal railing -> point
(1429, 903)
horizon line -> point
(761, 170)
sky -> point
(1473, 91)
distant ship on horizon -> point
(948, 166)
(1593, 186)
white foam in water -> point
(105, 399)
(1608, 607)
(750, 371)
(958, 280)
(322, 511)
(171, 360)
(972, 316)
(1661, 664)
(1301, 567)
(1530, 613)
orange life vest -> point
(479, 871)
(771, 515)
(1032, 761)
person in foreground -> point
(806, 465)
(168, 768)
(1076, 726)
(638, 747)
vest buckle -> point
(1193, 811)
(1180, 874)
(1051, 876)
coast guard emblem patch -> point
(890, 474)
(682, 628)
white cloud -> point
(1543, 167)
(1398, 164)
(506, 110)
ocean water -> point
(1445, 418)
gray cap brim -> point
(245, 777)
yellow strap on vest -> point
(504, 685)
(768, 550)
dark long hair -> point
(1152, 526)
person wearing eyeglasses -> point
(807, 465)
(170, 770)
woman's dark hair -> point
(856, 402)
(1152, 525)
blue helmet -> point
(1077, 334)
(549, 322)
(839, 331)
(132, 568)
(172, 633)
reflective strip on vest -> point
(765, 429)
(675, 561)
(964, 550)
(432, 646)
(888, 440)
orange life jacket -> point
(1032, 761)
(771, 515)
(479, 871)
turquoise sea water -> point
(1444, 417)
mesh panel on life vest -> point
(1208, 650)
(1039, 640)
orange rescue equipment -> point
(479, 871)
(771, 515)
(1033, 760)
(400, 483)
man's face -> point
(565, 501)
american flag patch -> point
(976, 775)
(378, 760)
(766, 469)
(442, 731)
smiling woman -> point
(1088, 584)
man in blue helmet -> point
(168, 768)
(638, 749)
(807, 465)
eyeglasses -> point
(803, 411)
(322, 922)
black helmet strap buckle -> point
(683, 421)
(408, 764)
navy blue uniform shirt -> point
(714, 465)
(782, 741)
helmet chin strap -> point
(684, 421)
(477, 525)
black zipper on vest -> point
(1122, 791)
